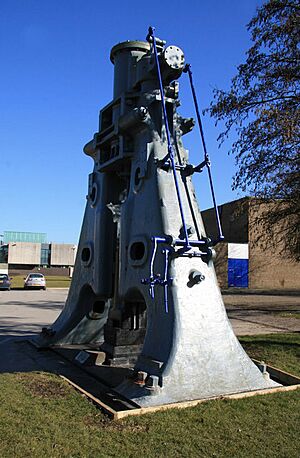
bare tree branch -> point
(262, 107)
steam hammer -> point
(144, 290)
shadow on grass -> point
(260, 292)
(275, 343)
(289, 340)
(279, 350)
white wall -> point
(238, 251)
(24, 253)
(3, 268)
(62, 254)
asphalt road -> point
(24, 313)
(256, 313)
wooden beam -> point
(282, 376)
(93, 398)
(186, 404)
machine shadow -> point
(19, 355)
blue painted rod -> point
(170, 149)
(206, 157)
(179, 242)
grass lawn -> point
(289, 314)
(51, 281)
(279, 350)
(42, 416)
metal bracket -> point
(156, 279)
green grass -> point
(279, 350)
(58, 282)
(51, 281)
(288, 314)
(41, 416)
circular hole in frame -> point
(94, 194)
(86, 255)
(137, 251)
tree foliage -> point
(262, 106)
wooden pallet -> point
(118, 408)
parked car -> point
(5, 282)
(35, 281)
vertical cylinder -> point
(124, 57)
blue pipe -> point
(206, 157)
(179, 242)
(170, 149)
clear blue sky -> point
(56, 75)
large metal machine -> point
(144, 290)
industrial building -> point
(249, 257)
(27, 251)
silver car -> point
(5, 282)
(35, 281)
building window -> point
(45, 254)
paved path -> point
(252, 314)
(24, 313)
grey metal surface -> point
(205, 357)
(189, 350)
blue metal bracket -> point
(169, 251)
(156, 279)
